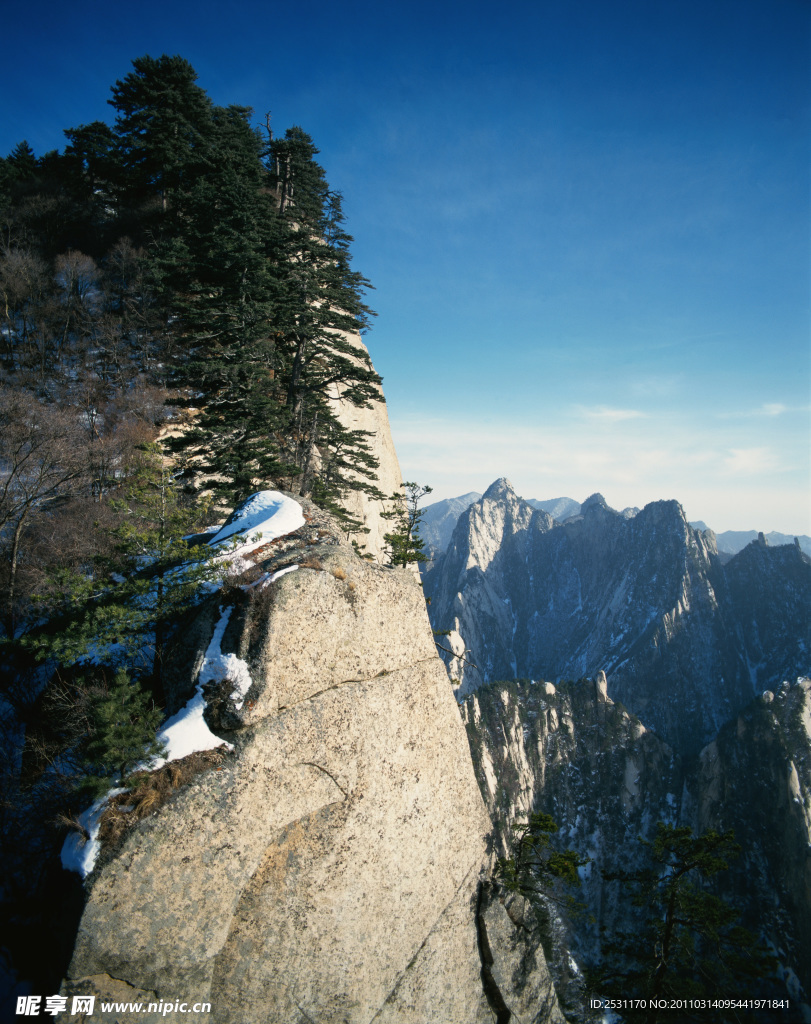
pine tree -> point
(536, 869)
(405, 543)
(692, 946)
(124, 721)
(21, 162)
(224, 293)
(162, 126)
(319, 306)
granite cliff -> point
(332, 865)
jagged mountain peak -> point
(644, 598)
(595, 500)
(501, 488)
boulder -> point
(328, 870)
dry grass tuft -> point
(149, 802)
(72, 822)
(339, 573)
(310, 562)
(149, 791)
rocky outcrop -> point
(515, 973)
(569, 752)
(330, 870)
(685, 641)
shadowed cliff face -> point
(331, 869)
(686, 642)
(755, 778)
(571, 752)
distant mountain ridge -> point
(440, 518)
(686, 640)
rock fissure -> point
(351, 682)
(491, 990)
(329, 774)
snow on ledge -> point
(79, 854)
(263, 517)
(186, 732)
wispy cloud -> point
(609, 415)
(663, 385)
(749, 461)
(770, 409)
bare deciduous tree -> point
(43, 458)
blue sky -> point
(587, 221)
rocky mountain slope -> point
(755, 778)
(439, 519)
(573, 753)
(686, 641)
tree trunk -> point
(12, 580)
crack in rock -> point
(491, 990)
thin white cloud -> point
(749, 461)
(771, 409)
(609, 415)
(662, 385)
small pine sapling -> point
(405, 543)
(124, 723)
(537, 870)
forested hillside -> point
(180, 255)
(178, 307)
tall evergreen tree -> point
(162, 127)
(320, 305)
(224, 279)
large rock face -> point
(755, 778)
(374, 420)
(331, 870)
(571, 752)
(685, 641)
